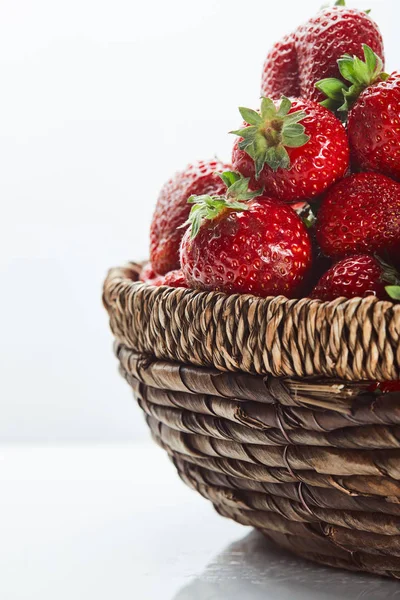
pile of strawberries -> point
(310, 204)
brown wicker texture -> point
(263, 407)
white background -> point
(100, 102)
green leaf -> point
(236, 206)
(332, 88)
(329, 104)
(259, 149)
(340, 3)
(239, 187)
(393, 291)
(295, 142)
(346, 68)
(367, 12)
(246, 145)
(293, 130)
(284, 107)
(196, 222)
(229, 177)
(268, 109)
(246, 132)
(278, 158)
(295, 117)
(250, 116)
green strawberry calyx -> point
(209, 207)
(393, 291)
(357, 74)
(270, 131)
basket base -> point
(354, 562)
(318, 476)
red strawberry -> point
(148, 275)
(260, 247)
(373, 127)
(356, 276)
(175, 279)
(296, 63)
(385, 387)
(172, 210)
(361, 214)
(325, 38)
(372, 101)
(280, 72)
(294, 150)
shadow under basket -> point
(265, 408)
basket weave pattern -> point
(226, 386)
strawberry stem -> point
(270, 131)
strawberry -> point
(374, 125)
(356, 276)
(172, 278)
(235, 245)
(326, 37)
(175, 279)
(309, 54)
(280, 72)
(361, 214)
(294, 150)
(371, 102)
(172, 210)
(148, 275)
(385, 387)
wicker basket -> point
(263, 406)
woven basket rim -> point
(351, 339)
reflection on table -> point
(254, 569)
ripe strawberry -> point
(172, 210)
(280, 72)
(361, 214)
(295, 150)
(148, 275)
(356, 276)
(260, 247)
(325, 38)
(299, 60)
(374, 125)
(385, 387)
(372, 100)
(175, 279)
